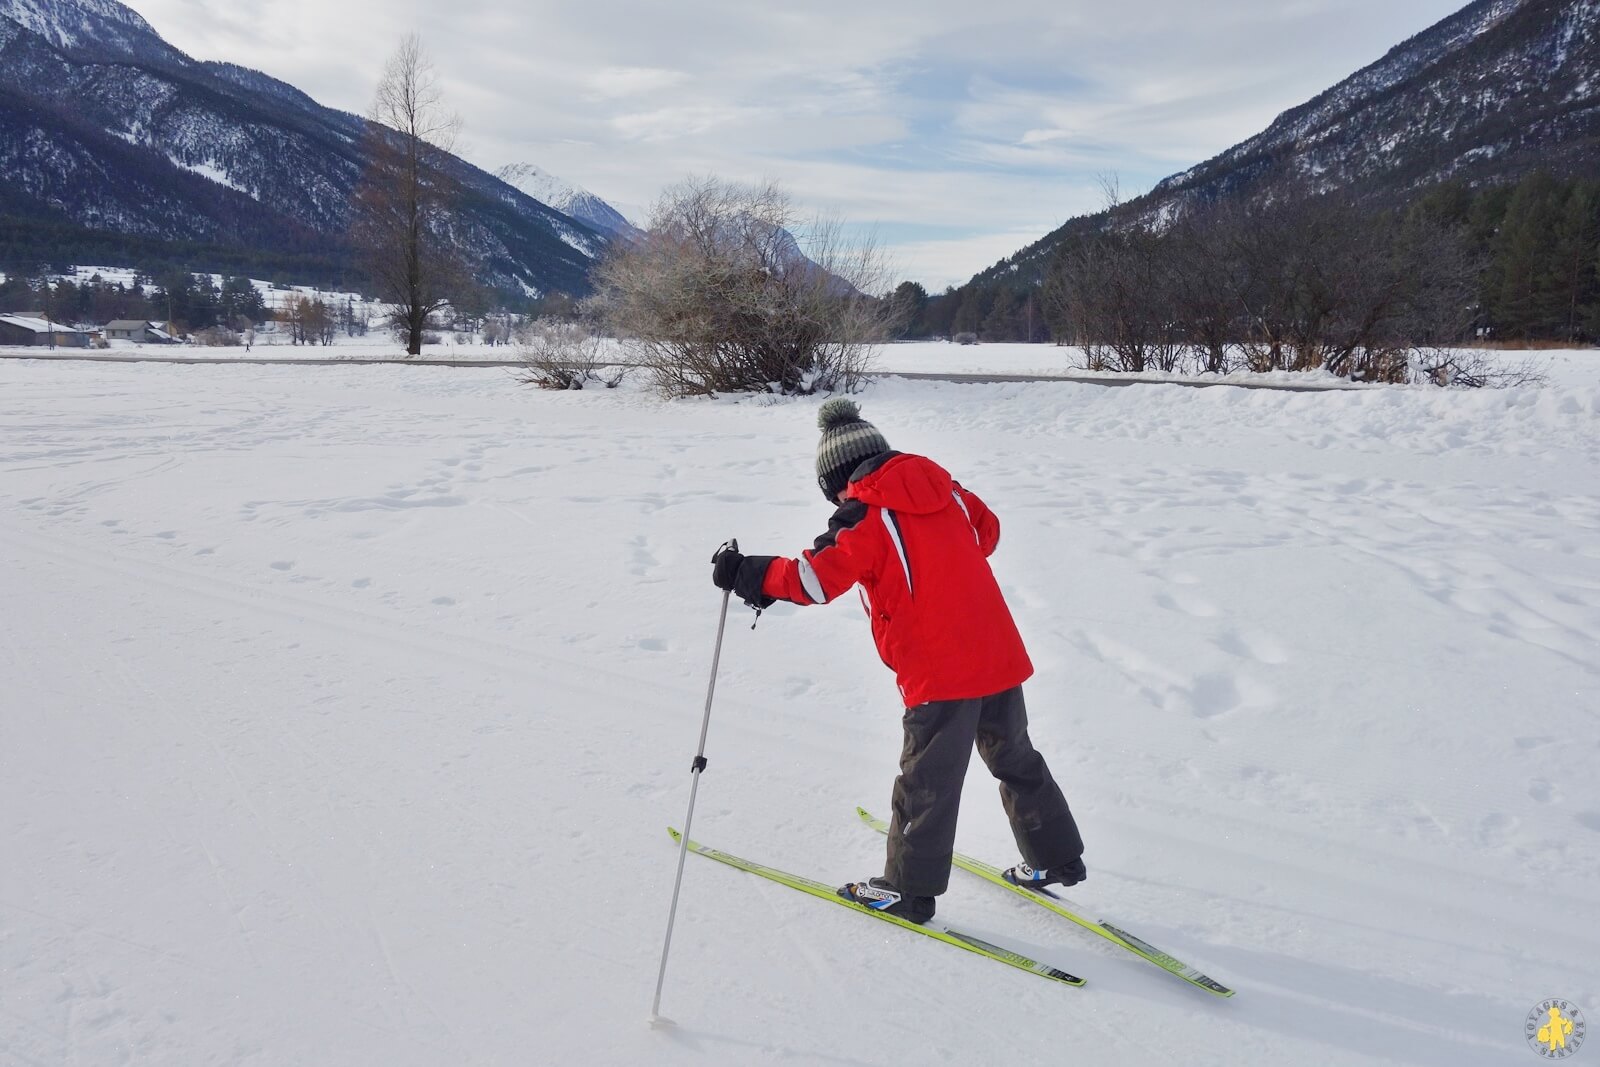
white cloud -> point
(989, 122)
(616, 82)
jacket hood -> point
(915, 485)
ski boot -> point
(1033, 878)
(880, 895)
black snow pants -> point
(939, 738)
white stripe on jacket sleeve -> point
(811, 583)
(962, 504)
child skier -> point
(918, 543)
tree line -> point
(190, 301)
(1538, 246)
(1528, 252)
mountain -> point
(92, 27)
(568, 199)
(1489, 94)
(112, 138)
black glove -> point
(725, 567)
(742, 575)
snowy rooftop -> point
(36, 325)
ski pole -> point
(698, 766)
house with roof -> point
(139, 331)
(29, 331)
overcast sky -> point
(959, 131)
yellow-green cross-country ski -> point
(1066, 909)
(938, 932)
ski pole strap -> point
(699, 765)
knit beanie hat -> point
(847, 440)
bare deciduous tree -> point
(727, 293)
(310, 321)
(402, 204)
(1118, 292)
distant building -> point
(138, 331)
(37, 332)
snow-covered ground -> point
(935, 357)
(345, 709)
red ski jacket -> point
(918, 545)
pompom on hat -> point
(847, 441)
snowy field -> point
(927, 357)
(345, 709)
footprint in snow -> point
(283, 565)
(1213, 695)
(1254, 646)
(1188, 605)
(1219, 693)
(1495, 829)
(644, 561)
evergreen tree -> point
(240, 302)
(1593, 318)
(1574, 288)
(1488, 214)
(940, 312)
(1448, 204)
(907, 304)
(971, 311)
(1522, 278)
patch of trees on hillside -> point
(1530, 252)
(1539, 245)
(190, 302)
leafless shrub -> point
(965, 338)
(217, 337)
(565, 355)
(1119, 302)
(497, 331)
(1308, 285)
(726, 293)
(1205, 275)
(1466, 369)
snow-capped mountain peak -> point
(566, 198)
(100, 24)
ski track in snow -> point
(345, 712)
